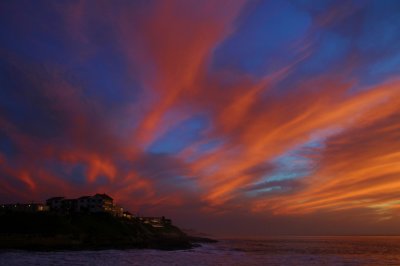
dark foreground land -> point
(50, 231)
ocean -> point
(383, 251)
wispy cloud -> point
(276, 111)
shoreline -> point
(38, 245)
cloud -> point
(205, 110)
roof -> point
(70, 199)
(84, 197)
(104, 196)
(54, 198)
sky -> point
(233, 118)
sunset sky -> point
(234, 118)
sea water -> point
(272, 251)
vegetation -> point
(50, 231)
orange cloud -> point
(178, 38)
(359, 166)
(275, 130)
(83, 132)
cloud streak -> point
(206, 111)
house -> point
(102, 203)
(55, 203)
(98, 203)
(83, 204)
(155, 221)
(26, 207)
(88, 204)
(69, 205)
(127, 215)
(117, 211)
(61, 204)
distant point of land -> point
(89, 222)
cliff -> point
(49, 231)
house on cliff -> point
(25, 207)
(127, 215)
(155, 221)
(54, 203)
(87, 204)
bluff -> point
(51, 231)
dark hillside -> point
(84, 231)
